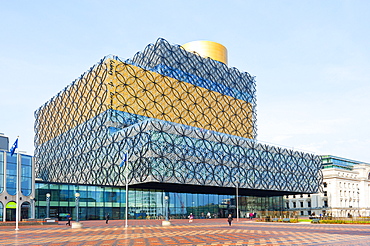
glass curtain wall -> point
(26, 175)
(1, 172)
(1, 211)
(95, 202)
(11, 174)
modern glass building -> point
(169, 122)
(8, 182)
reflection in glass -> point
(147, 203)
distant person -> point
(208, 215)
(229, 219)
(69, 218)
(191, 217)
(106, 218)
(251, 215)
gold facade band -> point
(153, 95)
(119, 86)
(79, 102)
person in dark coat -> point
(106, 218)
(230, 219)
(69, 218)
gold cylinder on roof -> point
(209, 49)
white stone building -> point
(345, 191)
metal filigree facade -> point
(181, 118)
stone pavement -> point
(200, 232)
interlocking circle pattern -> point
(181, 118)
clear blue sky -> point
(311, 59)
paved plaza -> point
(200, 232)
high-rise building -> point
(186, 123)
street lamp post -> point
(166, 206)
(32, 200)
(48, 206)
(77, 195)
(237, 201)
(166, 222)
(358, 202)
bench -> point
(275, 220)
(287, 220)
(315, 221)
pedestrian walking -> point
(69, 218)
(191, 217)
(106, 218)
(251, 215)
(229, 219)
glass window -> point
(213, 199)
(99, 195)
(63, 193)
(41, 190)
(108, 197)
(1, 172)
(11, 174)
(189, 200)
(91, 194)
(145, 203)
(91, 213)
(116, 197)
(26, 175)
(1, 211)
(203, 199)
(122, 197)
